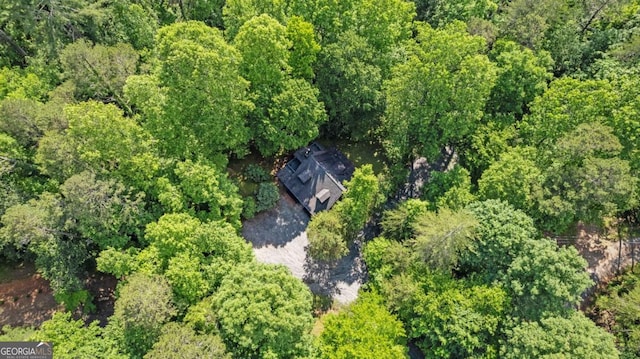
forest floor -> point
(605, 258)
(278, 236)
(26, 299)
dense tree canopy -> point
(137, 135)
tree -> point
(573, 337)
(237, 12)
(180, 340)
(449, 189)
(567, 103)
(439, 13)
(500, 237)
(442, 238)
(287, 112)
(99, 72)
(363, 330)
(522, 75)
(546, 280)
(436, 97)
(449, 318)
(263, 312)
(206, 192)
(326, 237)
(586, 180)
(514, 178)
(350, 85)
(144, 304)
(295, 115)
(201, 112)
(38, 226)
(100, 139)
(399, 223)
(101, 211)
(362, 195)
(72, 339)
(619, 303)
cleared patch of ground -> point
(26, 299)
(278, 236)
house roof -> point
(314, 176)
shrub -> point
(255, 173)
(249, 208)
(267, 196)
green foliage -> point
(399, 223)
(144, 304)
(326, 237)
(619, 302)
(255, 173)
(100, 139)
(450, 189)
(98, 72)
(586, 180)
(514, 178)
(21, 84)
(442, 238)
(287, 112)
(522, 75)
(200, 112)
(441, 12)
(436, 97)
(178, 338)
(450, 318)
(363, 330)
(267, 196)
(72, 339)
(305, 48)
(101, 210)
(385, 258)
(358, 202)
(119, 263)
(72, 300)
(546, 280)
(558, 337)
(500, 237)
(16, 334)
(276, 325)
(208, 192)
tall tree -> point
(545, 279)
(100, 139)
(572, 337)
(365, 329)
(201, 112)
(287, 112)
(144, 304)
(264, 312)
(436, 97)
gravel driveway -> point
(279, 236)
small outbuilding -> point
(314, 176)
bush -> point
(267, 196)
(249, 208)
(255, 173)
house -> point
(314, 176)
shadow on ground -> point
(278, 236)
(278, 226)
(340, 280)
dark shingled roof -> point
(314, 176)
